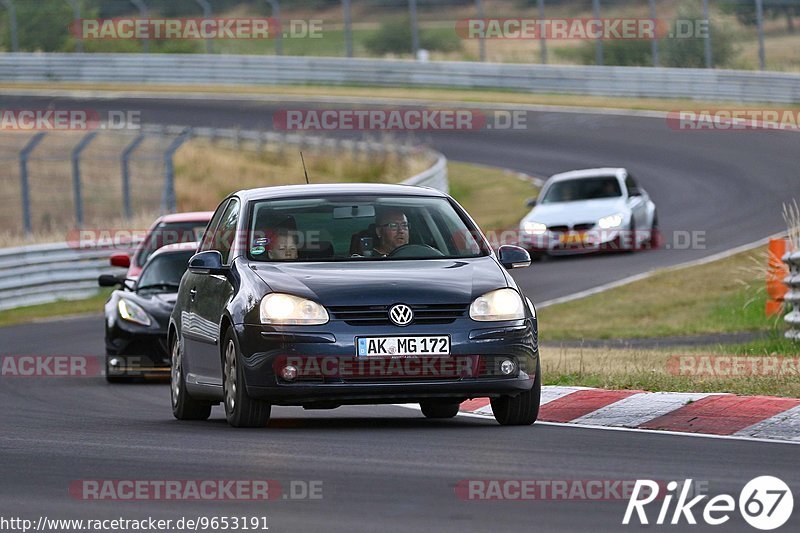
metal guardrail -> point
(203, 69)
(792, 298)
(43, 273)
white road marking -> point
(639, 408)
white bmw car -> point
(590, 210)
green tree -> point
(688, 52)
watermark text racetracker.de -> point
(733, 119)
(733, 366)
(184, 523)
(403, 119)
(581, 28)
(195, 28)
(249, 490)
(68, 119)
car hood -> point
(385, 282)
(570, 213)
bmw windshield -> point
(582, 189)
(350, 228)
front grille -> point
(378, 315)
(559, 229)
(583, 227)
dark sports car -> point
(137, 315)
(324, 295)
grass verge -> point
(55, 309)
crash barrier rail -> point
(43, 273)
(205, 69)
(792, 297)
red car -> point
(168, 229)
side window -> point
(632, 186)
(208, 237)
(224, 236)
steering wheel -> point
(415, 250)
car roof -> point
(298, 191)
(194, 216)
(589, 173)
(175, 248)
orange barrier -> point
(776, 273)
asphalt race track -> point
(387, 468)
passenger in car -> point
(282, 245)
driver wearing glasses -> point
(391, 229)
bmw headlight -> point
(286, 309)
(611, 221)
(502, 304)
(534, 228)
(133, 312)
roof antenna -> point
(304, 167)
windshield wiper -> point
(164, 285)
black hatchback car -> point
(325, 295)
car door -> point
(214, 291)
(194, 335)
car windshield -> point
(169, 233)
(165, 271)
(349, 228)
(582, 189)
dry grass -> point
(649, 370)
(719, 297)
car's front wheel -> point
(439, 409)
(241, 410)
(184, 407)
(520, 410)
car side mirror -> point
(208, 262)
(634, 192)
(120, 260)
(109, 280)
(530, 203)
(513, 257)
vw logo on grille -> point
(401, 315)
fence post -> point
(126, 180)
(482, 40)
(412, 8)
(168, 203)
(12, 22)
(598, 43)
(707, 40)
(760, 22)
(348, 29)
(76, 175)
(207, 15)
(23, 177)
(76, 17)
(140, 5)
(542, 36)
(654, 43)
(276, 16)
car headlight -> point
(279, 308)
(133, 312)
(611, 221)
(534, 228)
(502, 304)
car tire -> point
(439, 409)
(241, 410)
(652, 241)
(184, 407)
(520, 410)
(634, 240)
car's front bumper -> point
(131, 353)
(330, 373)
(577, 242)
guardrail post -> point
(76, 175)
(276, 16)
(598, 43)
(542, 36)
(168, 203)
(412, 8)
(207, 15)
(12, 22)
(140, 5)
(654, 43)
(23, 177)
(126, 180)
(348, 29)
